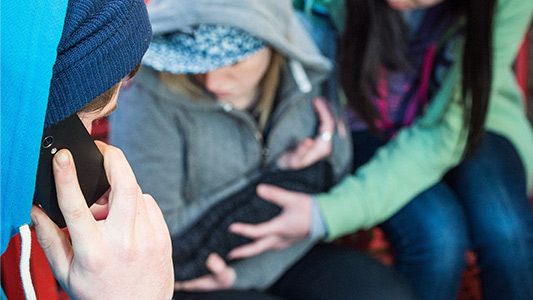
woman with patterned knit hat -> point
(223, 101)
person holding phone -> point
(120, 248)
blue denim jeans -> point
(481, 204)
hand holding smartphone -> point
(71, 134)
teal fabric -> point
(30, 34)
(334, 9)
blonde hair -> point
(187, 85)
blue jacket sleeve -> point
(30, 34)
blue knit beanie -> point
(102, 41)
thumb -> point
(216, 264)
(78, 217)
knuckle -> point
(148, 198)
(95, 261)
(151, 204)
(125, 244)
(74, 214)
(47, 242)
(279, 246)
(65, 176)
(130, 189)
(251, 251)
(282, 246)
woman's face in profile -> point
(412, 4)
(238, 84)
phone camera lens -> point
(48, 141)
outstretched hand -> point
(293, 224)
(309, 150)
(221, 278)
(126, 256)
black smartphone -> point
(71, 134)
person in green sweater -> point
(442, 146)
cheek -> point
(250, 82)
(87, 120)
(253, 75)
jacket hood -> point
(273, 21)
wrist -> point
(318, 229)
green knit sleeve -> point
(410, 163)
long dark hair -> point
(375, 37)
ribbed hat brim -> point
(102, 42)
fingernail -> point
(62, 159)
(260, 189)
(34, 220)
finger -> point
(255, 231)
(255, 248)
(301, 153)
(292, 159)
(284, 161)
(54, 242)
(101, 145)
(325, 116)
(151, 225)
(304, 146)
(276, 195)
(143, 225)
(204, 283)
(216, 264)
(156, 218)
(319, 150)
(312, 153)
(221, 277)
(71, 201)
(125, 193)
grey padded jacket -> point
(190, 154)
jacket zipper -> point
(257, 134)
(264, 149)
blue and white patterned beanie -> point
(200, 49)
